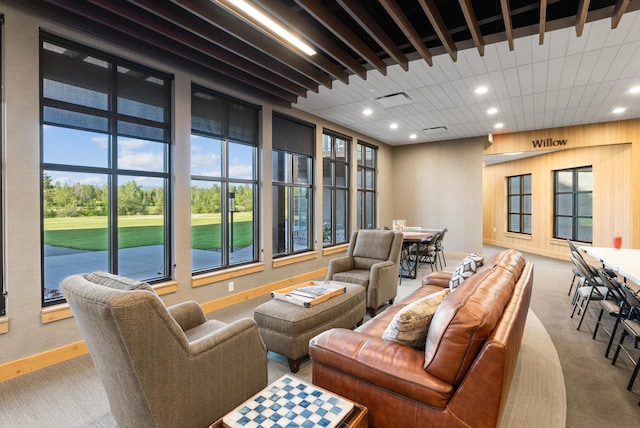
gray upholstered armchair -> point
(373, 261)
(164, 366)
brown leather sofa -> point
(461, 378)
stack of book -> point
(310, 293)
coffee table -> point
(282, 404)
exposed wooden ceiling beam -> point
(431, 10)
(410, 33)
(543, 20)
(183, 19)
(581, 16)
(508, 27)
(359, 14)
(217, 15)
(340, 30)
(618, 11)
(298, 23)
(107, 26)
(472, 23)
(160, 26)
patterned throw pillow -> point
(465, 269)
(410, 325)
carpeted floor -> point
(70, 394)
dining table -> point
(624, 261)
(410, 254)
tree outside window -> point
(105, 166)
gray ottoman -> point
(286, 328)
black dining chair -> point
(616, 305)
(590, 290)
(631, 324)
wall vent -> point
(435, 130)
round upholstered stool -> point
(286, 328)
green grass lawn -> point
(90, 233)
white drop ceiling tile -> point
(593, 32)
(506, 57)
(563, 98)
(442, 99)
(569, 71)
(462, 94)
(517, 107)
(633, 34)
(604, 62)
(476, 63)
(529, 121)
(522, 50)
(540, 73)
(528, 107)
(525, 78)
(632, 68)
(558, 42)
(625, 62)
(539, 102)
(576, 44)
(585, 69)
(540, 52)
(511, 81)
(490, 58)
(555, 71)
(538, 121)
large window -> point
(2, 292)
(367, 164)
(335, 198)
(573, 207)
(292, 164)
(224, 140)
(519, 203)
(105, 166)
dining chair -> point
(616, 305)
(591, 289)
(427, 251)
(631, 324)
(440, 248)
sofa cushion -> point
(117, 282)
(467, 267)
(465, 319)
(410, 325)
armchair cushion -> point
(410, 324)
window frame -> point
(3, 292)
(117, 119)
(521, 213)
(575, 195)
(226, 181)
(363, 191)
(333, 188)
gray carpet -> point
(70, 394)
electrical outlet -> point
(230, 285)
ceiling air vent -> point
(394, 100)
(435, 130)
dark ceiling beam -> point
(133, 30)
(314, 36)
(543, 20)
(508, 26)
(431, 10)
(343, 32)
(410, 33)
(77, 22)
(183, 19)
(219, 16)
(618, 11)
(581, 16)
(472, 23)
(160, 26)
(359, 14)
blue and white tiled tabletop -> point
(290, 403)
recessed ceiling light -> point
(393, 126)
(367, 112)
(635, 90)
(413, 136)
(481, 90)
(499, 125)
(619, 110)
(492, 110)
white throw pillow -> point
(410, 324)
(465, 269)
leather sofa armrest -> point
(187, 314)
(383, 363)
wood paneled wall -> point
(613, 151)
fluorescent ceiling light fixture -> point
(481, 90)
(499, 125)
(367, 112)
(413, 136)
(492, 110)
(619, 110)
(393, 126)
(272, 26)
(635, 90)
